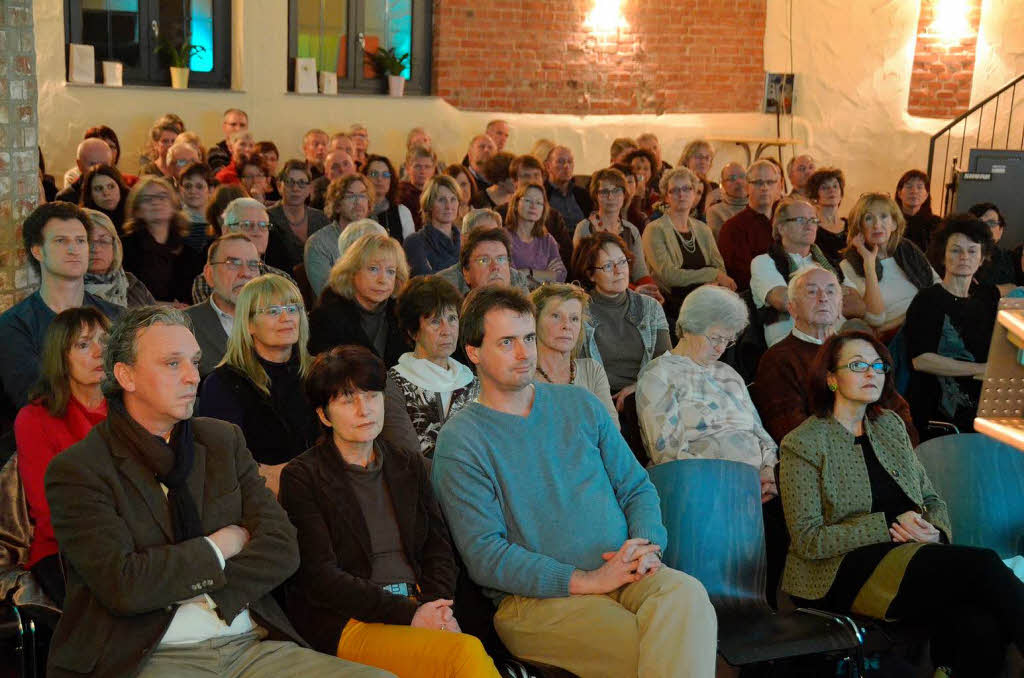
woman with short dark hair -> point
(870, 535)
(388, 212)
(914, 199)
(377, 571)
(63, 407)
(825, 190)
(949, 326)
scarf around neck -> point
(431, 377)
(111, 286)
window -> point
(123, 30)
(337, 33)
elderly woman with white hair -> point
(691, 405)
(106, 278)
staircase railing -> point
(1007, 134)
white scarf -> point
(430, 376)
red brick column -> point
(940, 86)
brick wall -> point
(19, 169)
(940, 85)
(538, 56)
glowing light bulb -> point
(950, 22)
(606, 17)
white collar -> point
(806, 337)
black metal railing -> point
(972, 129)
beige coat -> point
(665, 257)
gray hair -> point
(475, 216)
(710, 305)
(356, 230)
(796, 281)
(677, 173)
(229, 217)
(123, 339)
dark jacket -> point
(428, 250)
(209, 333)
(277, 427)
(284, 249)
(71, 193)
(126, 574)
(166, 269)
(333, 582)
(335, 322)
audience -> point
(435, 246)
(825, 190)
(620, 148)
(484, 255)
(799, 169)
(885, 268)
(154, 241)
(644, 168)
(63, 407)
(949, 327)
(231, 262)
(233, 120)
(203, 559)
(220, 199)
(499, 132)
(56, 237)
(916, 205)
(388, 212)
(566, 198)
(560, 310)
(608, 191)
(337, 164)
(625, 329)
(420, 167)
(779, 391)
(314, 150)
(108, 136)
(698, 157)
(481, 148)
(242, 145)
(106, 278)
(348, 200)
(467, 187)
(502, 183)
(358, 305)
(377, 571)
(360, 137)
(258, 384)
(794, 229)
(104, 190)
(427, 382)
(734, 197)
(679, 249)
(91, 152)
(195, 186)
(649, 142)
(533, 249)
(514, 471)
(867, 540)
(254, 177)
(1002, 268)
(526, 169)
(161, 137)
(749, 232)
(180, 155)
(292, 221)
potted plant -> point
(179, 56)
(386, 62)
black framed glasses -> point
(861, 366)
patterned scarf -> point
(112, 286)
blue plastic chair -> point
(982, 482)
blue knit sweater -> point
(529, 500)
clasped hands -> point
(436, 615)
(910, 526)
(635, 559)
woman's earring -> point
(832, 387)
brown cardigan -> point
(332, 585)
(779, 390)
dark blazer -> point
(335, 322)
(166, 269)
(332, 584)
(213, 340)
(125, 574)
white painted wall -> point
(852, 60)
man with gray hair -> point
(749, 232)
(799, 169)
(734, 197)
(172, 541)
(234, 120)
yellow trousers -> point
(411, 652)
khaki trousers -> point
(662, 625)
(246, 655)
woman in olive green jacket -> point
(868, 532)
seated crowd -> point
(270, 414)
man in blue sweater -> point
(557, 521)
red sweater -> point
(41, 437)
(742, 238)
(228, 175)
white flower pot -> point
(179, 77)
(396, 85)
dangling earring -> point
(832, 387)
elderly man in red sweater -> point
(749, 233)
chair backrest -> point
(982, 482)
(712, 511)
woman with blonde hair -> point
(698, 156)
(258, 384)
(154, 241)
(106, 278)
(358, 304)
(435, 247)
(886, 268)
(561, 310)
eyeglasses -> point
(803, 221)
(353, 197)
(277, 310)
(101, 242)
(610, 192)
(375, 174)
(610, 266)
(249, 226)
(235, 264)
(717, 342)
(992, 223)
(679, 190)
(296, 183)
(859, 366)
(500, 260)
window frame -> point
(355, 82)
(152, 70)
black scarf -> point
(170, 463)
(908, 256)
(784, 265)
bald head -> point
(800, 170)
(337, 164)
(92, 152)
(734, 181)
